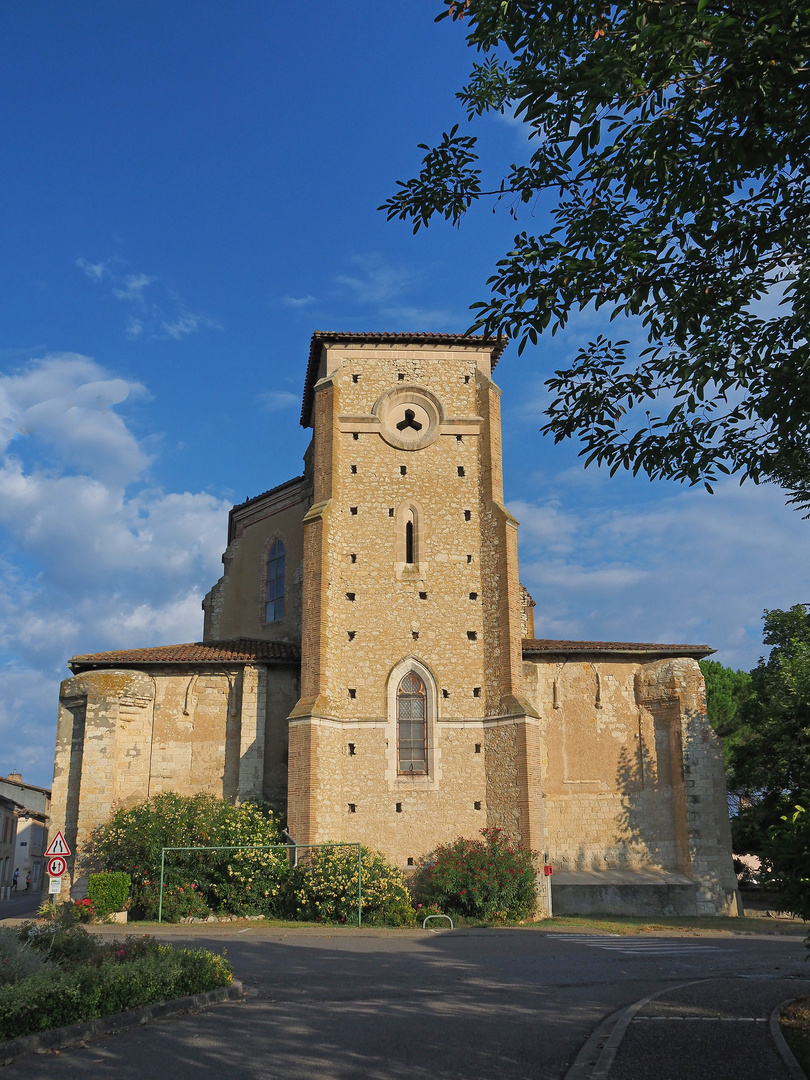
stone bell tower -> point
(411, 728)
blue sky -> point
(188, 191)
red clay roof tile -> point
(235, 651)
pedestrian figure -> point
(14, 880)
(28, 881)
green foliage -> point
(788, 851)
(108, 892)
(62, 941)
(675, 138)
(239, 882)
(726, 690)
(768, 744)
(83, 993)
(18, 960)
(325, 888)
(490, 878)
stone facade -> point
(393, 563)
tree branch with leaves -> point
(674, 138)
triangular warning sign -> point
(57, 846)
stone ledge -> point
(59, 1038)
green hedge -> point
(67, 997)
(109, 892)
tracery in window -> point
(411, 725)
(274, 591)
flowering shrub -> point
(196, 882)
(325, 888)
(85, 910)
(491, 878)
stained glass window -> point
(274, 596)
(411, 725)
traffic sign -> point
(55, 885)
(57, 866)
(57, 846)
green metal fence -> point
(295, 848)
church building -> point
(369, 664)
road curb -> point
(596, 1057)
(792, 1065)
(59, 1038)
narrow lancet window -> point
(274, 595)
(411, 725)
(409, 542)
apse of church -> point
(369, 662)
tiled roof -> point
(235, 651)
(544, 645)
(497, 345)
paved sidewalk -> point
(718, 1028)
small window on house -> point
(352, 692)
(409, 545)
(351, 634)
(352, 808)
(390, 511)
(354, 470)
(472, 635)
(355, 435)
(351, 749)
(476, 805)
(355, 378)
(415, 635)
(459, 438)
(473, 595)
(468, 515)
(410, 860)
(460, 470)
(353, 509)
(351, 596)
(399, 807)
(469, 558)
(476, 691)
(353, 557)
(445, 693)
(423, 596)
(400, 377)
(274, 589)
(478, 748)
(466, 378)
(411, 725)
(403, 470)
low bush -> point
(62, 941)
(491, 878)
(325, 888)
(82, 993)
(17, 959)
(108, 892)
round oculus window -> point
(410, 417)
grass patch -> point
(795, 1024)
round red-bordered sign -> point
(57, 866)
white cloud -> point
(376, 281)
(187, 322)
(297, 301)
(134, 287)
(95, 271)
(274, 400)
(94, 560)
(689, 568)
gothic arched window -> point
(411, 725)
(274, 590)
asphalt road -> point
(461, 1005)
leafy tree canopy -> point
(676, 137)
(767, 743)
